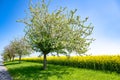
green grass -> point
(33, 71)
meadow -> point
(34, 71)
(66, 68)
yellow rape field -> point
(106, 63)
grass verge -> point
(34, 71)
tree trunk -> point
(19, 58)
(45, 62)
(13, 58)
(9, 58)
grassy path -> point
(33, 71)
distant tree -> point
(8, 53)
(21, 47)
(56, 31)
(5, 56)
(12, 51)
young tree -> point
(56, 31)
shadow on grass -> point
(11, 63)
(36, 72)
(107, 69)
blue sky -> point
(103, 14)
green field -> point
(34, 71)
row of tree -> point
(16, 48)
(52, 31)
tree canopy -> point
(56, 31)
